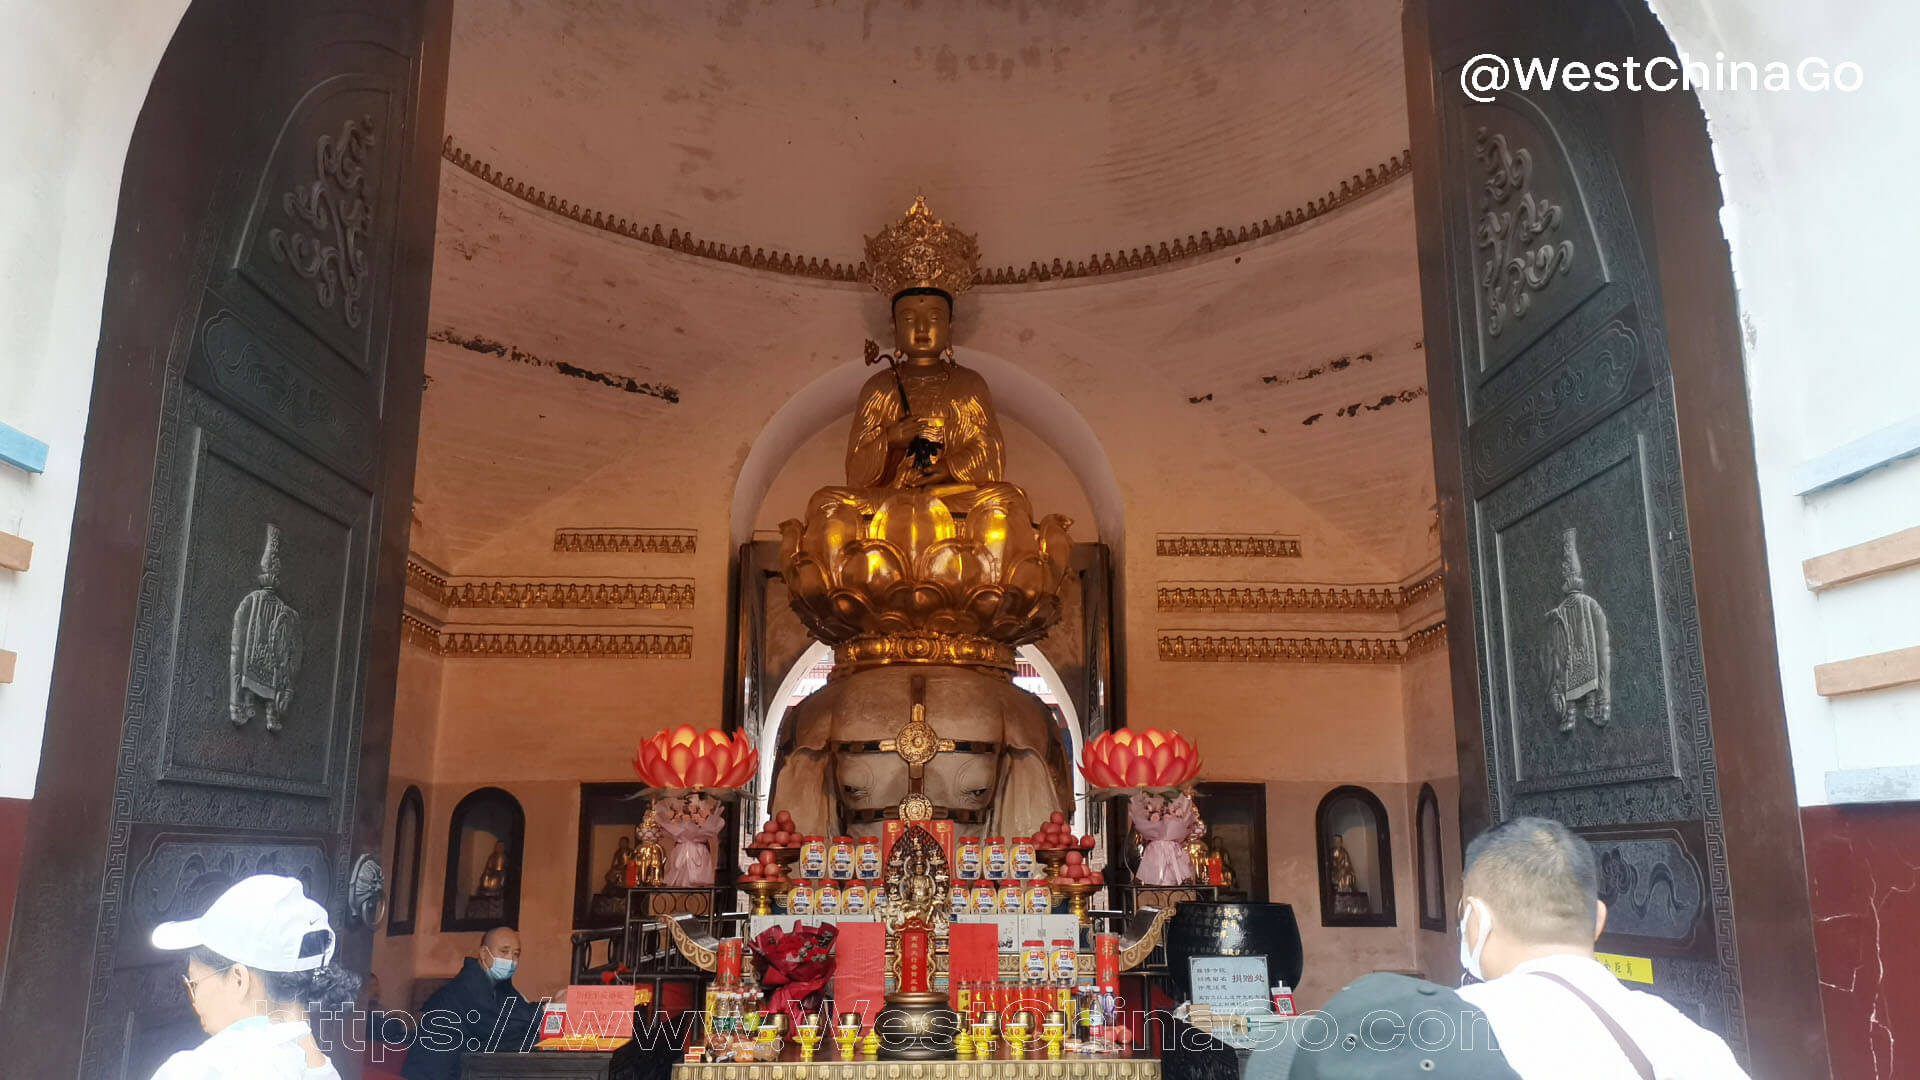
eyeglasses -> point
(192, 993)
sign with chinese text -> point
(1237, 983)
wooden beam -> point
(15, 553)
(6, 665)
(1896, 551)
(1862, 673)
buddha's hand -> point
(902, 432)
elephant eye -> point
(853, 791)
(975, 794)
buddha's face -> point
(922, 326)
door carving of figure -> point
(224, 683)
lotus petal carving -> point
(913, 581)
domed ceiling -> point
(1053, 129)
(582, 377)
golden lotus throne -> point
(924, 571)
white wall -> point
(72, 77)
(1822, 225)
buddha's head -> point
(922, 323)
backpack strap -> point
(1635, 1055)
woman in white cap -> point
(259, 962)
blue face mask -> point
(501, 969)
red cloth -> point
(860, 973)
(973, 953)
(799, 962)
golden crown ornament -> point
(921, 252)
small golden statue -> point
(1340, 866)
(616, 877)
(493, 879)
(650, 857)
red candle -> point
(1106, 961)
(727, 962)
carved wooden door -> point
(224, 678)
(1611, 637)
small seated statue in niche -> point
(1348, 899)
(493, 879)
(489, 899)
(616, 877)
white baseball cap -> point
(260, 922)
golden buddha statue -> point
(926, 422)
(924, 571)
(493, 877)
(615, 879)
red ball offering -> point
(1086, 843)
(1057, 818)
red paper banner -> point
(859, 970)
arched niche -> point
(409, 821)
(1430, 861)
(1353, 821)
(485, 837)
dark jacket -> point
(473, 1011)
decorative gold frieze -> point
(658, 642)
(1212, 546)
(1117, 261)
(1245, 596)
(1279, 597)
(1202, 646)
(1420, 590)
(1427, 639)
(419, 633)
(626, 541)
(659, 594)
(425, 579)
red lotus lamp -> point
(687, 770)
(1125, 760)
(685, 760)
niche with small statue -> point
(1355, 858)
(484, 840)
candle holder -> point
(846, 1035)
(1054, 1032)
(808, 1036)
(984, 1027)
(764, 892)
(1076, 893)
(1018, 1030)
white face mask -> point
(1470, 955)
